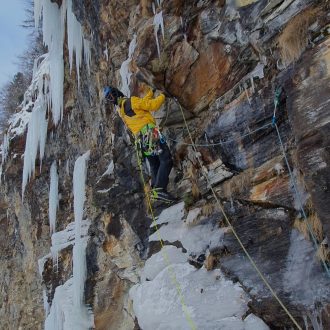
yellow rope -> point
(165, 254)
(232, 228)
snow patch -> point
(173, 213)
(212, 302)
(196, 239)
(303, 278)
(159, 261)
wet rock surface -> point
(224, 64)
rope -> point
(222, 142)
(205, 174)
(310, 229)
(165, 254)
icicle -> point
(158, 23)
(125, 72)
(79, 257)
(53, 36)
(5, 148)
(53, 197)
(75, 39)
(106, 53)
(45, 299)
(53, 19)
(252, 84)
(36, 137)
(247, 94)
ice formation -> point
(158, 23)
(53, 197)
(76, 42)
(53, 19)
(68, 310)
(32, 115)
(66, 237)
(125, 72)
(79, 249)
(36, 138)
(62, 313)
(4, 148)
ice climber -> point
(136, 114)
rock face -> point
(221, 63)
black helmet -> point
(112, 93)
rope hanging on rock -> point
(205, 174)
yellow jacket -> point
(141, 107)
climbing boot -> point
(159, 195)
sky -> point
(13, 38)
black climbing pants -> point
(160, 166)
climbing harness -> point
(205, 174)
(164, 253)
(150, 139)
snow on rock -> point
(173, 213)
(110, 169)
(193, 215)
(125, 72)
(53, 197)
(19, 121)
(303, 278)
(253, 322)
(156, 263)
(211, 301)
(196, 239)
